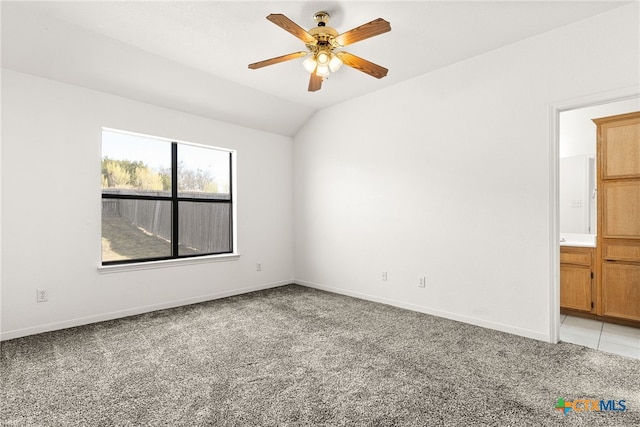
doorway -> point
(574, 211)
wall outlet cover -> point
(42, 295)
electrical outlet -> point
(42, 295)
(423, 282)
(258, 267)
(383, 276)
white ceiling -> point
(193, 55)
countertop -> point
(578, 240)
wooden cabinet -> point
(621, 208)
(618, 241)
(577, 288)
(621, 290)
(621, 278)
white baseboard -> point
(17, 333)
(70, 323)
(527, 333)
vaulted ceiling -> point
(193, 55)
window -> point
(163, 199)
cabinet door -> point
(621, 209)
(621, 149)
(575, 287)
(621, 290)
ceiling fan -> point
(321, 41)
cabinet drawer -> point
(621, 251)
(579, 256)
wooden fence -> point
(203, 227)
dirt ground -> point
(122, 240)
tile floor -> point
(609, 337)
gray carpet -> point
(294, 356)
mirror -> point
(577, 194)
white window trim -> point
(177, 262)
(152, 265)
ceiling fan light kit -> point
(320, 59)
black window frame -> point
(175, 200)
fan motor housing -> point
(324, 34)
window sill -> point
(152, 265)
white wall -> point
(51, 208)
(448, 176)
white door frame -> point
(554, 189)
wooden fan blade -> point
(363, 65)
(370, 29)
(287, 24)
(315, 82)
(277, 59)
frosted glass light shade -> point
(309, 64)
(322, 70)
(323, 58)
(335, 63)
